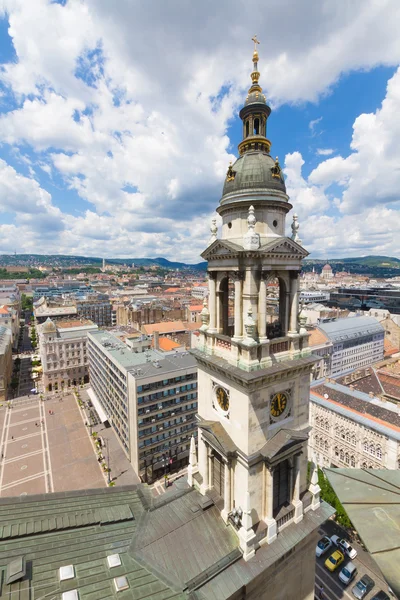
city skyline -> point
(111, 144)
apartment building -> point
(97, 310)
(353, 429)
(149, 398)
(63, 352)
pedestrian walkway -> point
(122, 472)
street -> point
(334, 589)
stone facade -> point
(254, 377)
(343, 436)
(63, 353)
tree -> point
(328, 494)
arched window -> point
(364, 465)
(336, 451)
(341, 455)
(379, 452)
(353, 461)
(326, 446)
(347, 435)
(366, 446)
(347, 458)
(317, 421)
(372, 449)
(342, 433)
(327, 425)
(247, 128)
(256, 126)
(354, 440)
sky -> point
(118, 121)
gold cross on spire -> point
(255, 40)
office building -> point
(149, 398)
(6, 363)
(356, 342)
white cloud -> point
(325, 151)
(130, 103)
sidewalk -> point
(122, 472)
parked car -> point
(381, 596)
(363, 587)
(344, 546)
(323, 545)
(334, 560)
(348, 573)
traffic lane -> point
(339, 589)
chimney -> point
(156, 340)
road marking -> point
(14, 459)
(3, 443)
(343, 591)
(24, 480)
(50, 471)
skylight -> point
(71, 595)
(121, 583)
(67, 572)
(113, 560)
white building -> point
(353, 429)
(63, 353)
(314, 296)
(357, 342)
(149, 398)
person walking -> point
(321, 592)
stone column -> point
(203, 464)
(262, 309)
(297, 503)
(210, 468)
(270, 521)
(212, 301)
(227, 492)
(294, 302)
(238, 326)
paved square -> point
(45, 447)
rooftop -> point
(74, 323)
(165, 327)
(142, 364)
(351, 327)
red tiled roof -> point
(166, 344)
(317, 337)
(196, 307)
(165, 327)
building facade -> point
(356, 342)
(6, 363)
(150, 400)
(254, 380)
(97, 310)
(353, 429)
(63, 353)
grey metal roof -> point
(350, 328)
(371, 498)
(253, 170)
(81, 529)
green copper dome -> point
(254, 170)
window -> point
(379, 452)
(346, 458)
(372, 449)
(341, 455)
(353, 461)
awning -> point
(96, 403)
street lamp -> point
(108, 462)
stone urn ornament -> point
(205, 316)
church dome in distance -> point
(327, 267)
(48, 326)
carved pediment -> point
(284, 247)
(221, 248)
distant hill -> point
(374, 266)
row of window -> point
(166, 414)
(166, 434)
(162, 383)
(165, 393)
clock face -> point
(279, 403)
(222, 398)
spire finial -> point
(256, 41)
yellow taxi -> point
(334, 560)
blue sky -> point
(117, 122)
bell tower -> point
(254, 362)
